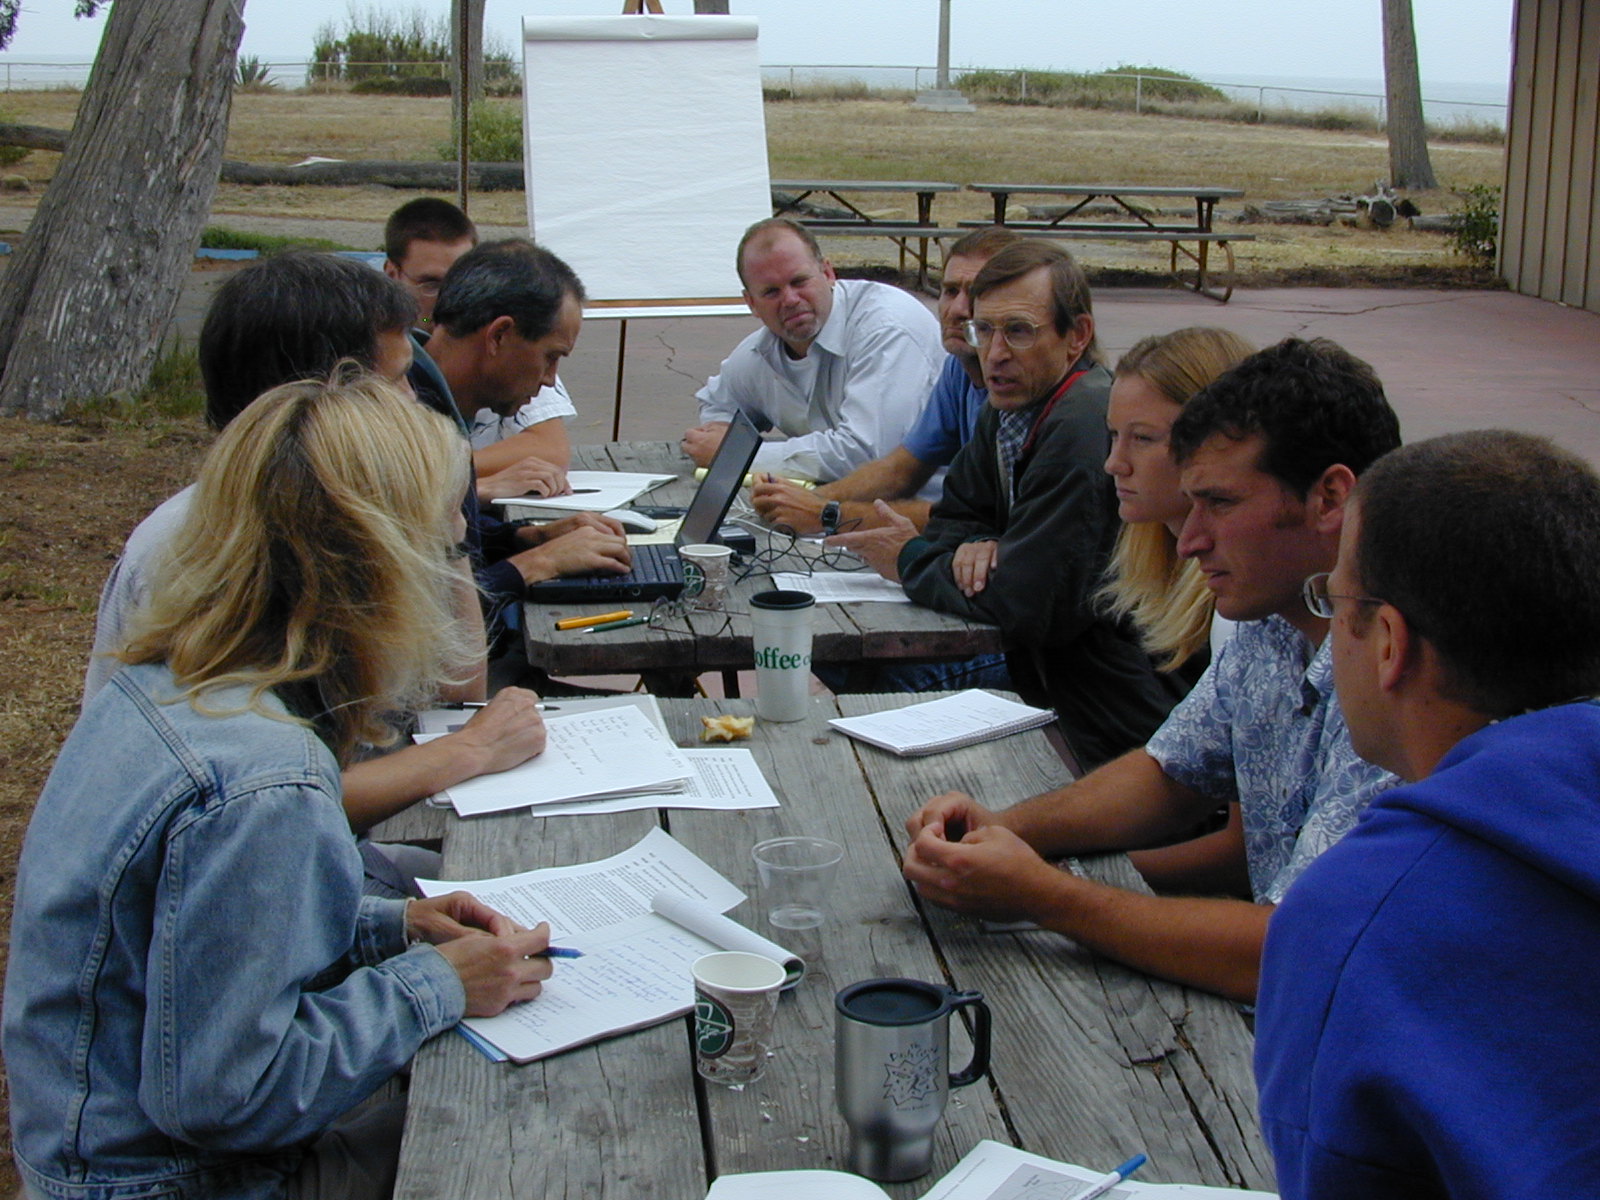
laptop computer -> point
(657, 569)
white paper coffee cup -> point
(780, 625)
(716, 567)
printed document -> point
(635, 966)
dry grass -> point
(888, 139)
(61, 528)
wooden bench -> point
(1190, 241)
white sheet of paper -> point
(591, 754)
(842, 587)
(994, 1171)
(592, 491)
(448, 720)
(920, 728)
(723, 779)
(635, 966)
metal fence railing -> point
(29, 76)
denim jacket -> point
(196, 986)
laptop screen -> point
(723, 478)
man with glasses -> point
(902, 476)
(526, 450)
(841, 367)
(1268, 454)
(1427, 1021)
(1023, 531)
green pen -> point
(618, 624)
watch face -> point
(830, 515)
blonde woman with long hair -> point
(197, 989)
(1164, 595)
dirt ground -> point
(71, 492)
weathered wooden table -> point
(670, 659)
(1092, 1062)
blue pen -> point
(562, 952)
(1106, 1182)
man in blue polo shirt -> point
(946, 424)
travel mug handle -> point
(980, 1037)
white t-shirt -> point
(551, 402)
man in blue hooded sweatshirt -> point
(1428, 1018)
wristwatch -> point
(830, 517)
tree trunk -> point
(1409, 166)
(474, 16)
(87, 299)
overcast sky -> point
(1458, 40)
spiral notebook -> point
(948, 723)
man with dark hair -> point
(1023, 531)
(421, 241)
(1262, 728)
(946, 424)
(1427, 1022)
(279, 320)
(290, 317)
(841, 367)
(508, 312)
(526, 451)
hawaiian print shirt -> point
(1263, 727)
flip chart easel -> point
(645, 153)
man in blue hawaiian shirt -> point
(1269, 454)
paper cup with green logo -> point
(780, 625)
(735, 1000)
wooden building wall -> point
(1550, 217)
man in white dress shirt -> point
(843, 368)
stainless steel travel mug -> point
(892, 1070)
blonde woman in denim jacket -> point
(198, 995)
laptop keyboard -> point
(655, 563)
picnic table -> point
(1071, 225)
(670, 659)
(912, 237)
(1091, 1061)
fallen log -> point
(430, 176)
(33, 137)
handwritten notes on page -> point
(635, 966)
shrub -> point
(494, 134)
(251, 72)
(220, 237)
(1104, 89)
(405, 85)
(1477, 229)
(399, 45)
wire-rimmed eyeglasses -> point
(1016, 333)
(676, 615)
(1319, 600)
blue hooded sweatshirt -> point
(1429, 1012)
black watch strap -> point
(830, 517)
